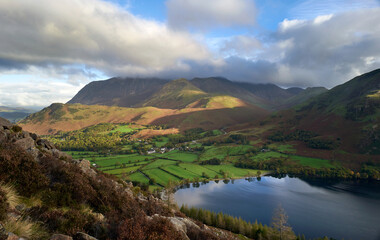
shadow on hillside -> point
(213, 118)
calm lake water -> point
(315, 208)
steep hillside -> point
(267, 96)
(122, 92)
(343, 123)
(301, 97)
(222, 86)
(68, 117)
(45, 194)
(175, 94)
(270, 92)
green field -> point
(231, 171)
(263, 156)
(160, 176)
(119, 171)
(181, 156)
(159, 163)
(127, 128)
(313, 162)
(139, 177)
(198, 169)
(221, 152)
(122, 159)
(181, 172)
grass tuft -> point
(25, 228)
(13, 199)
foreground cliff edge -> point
(45, 194)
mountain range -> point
(138, 92)
(347, 114)
(208, 103)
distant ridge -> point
(122, 92)
(180, 93)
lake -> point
(346, 210)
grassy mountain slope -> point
(343, 123)
(222, 86)
(180, 93)
(302, 97)
(122, 92)
(175, 94)
(68, 117)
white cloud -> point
(322, 19)
(90, 32)
(203, 15)
(244, 46)
(82, 40)
(287, 24)
(324, 51)
(36, 93)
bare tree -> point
(280, 223)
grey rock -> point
(83, 236)
(85, 166)
(60, 237)
(25, 143)
(3, 136)
(179, 226)
(45, 144)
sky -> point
(49, 49)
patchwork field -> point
(194, 155)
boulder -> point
(3, 136)
(60, 237)
(83, 236)
(85, 166)
(45, 144)
(179, 226)
(58, 154)
(25, 143)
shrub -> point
(141, 228)
(16, 128)
(25, 228)
(11, 195)
(19, 167)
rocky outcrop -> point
(29, 142)
(5, 122)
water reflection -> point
(347, 210)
